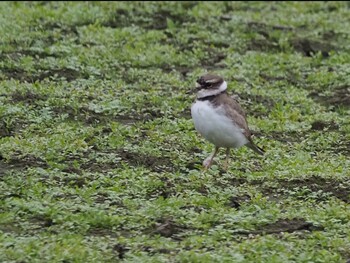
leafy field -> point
(100, 161)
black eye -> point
(201, 81)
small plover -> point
(219, 118)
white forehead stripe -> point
(210, 92)
(212, 81)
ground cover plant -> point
(100, 161)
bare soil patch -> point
(133, 159)
(91, 117)
(166, 227)
(269, 43)
(320, 125)
(155, 163)
(4, 167)
(263, 45)
(15, 73)
(27, 97)
(64, 28)
(41, 74)
(283, 226)
(27, 161)
(42, 220)
(157, 21)
(65, 73)
(38, 54)
(339, 189)
(309, 47)
(340, 97)
(287, 136)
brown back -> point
(233, 110)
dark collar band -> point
(211, 97)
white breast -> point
(215, 126)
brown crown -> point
(209, 80)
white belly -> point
(215, 126)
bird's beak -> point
(195, 90)
(198, 87)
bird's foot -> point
(207, 163)
(209, 160)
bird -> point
(220, 119)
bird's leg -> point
(209, 160)
(227, 158)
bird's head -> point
(209, 85)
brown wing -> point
(234, 111)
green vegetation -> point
(100, 161)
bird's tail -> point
(255, 148)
